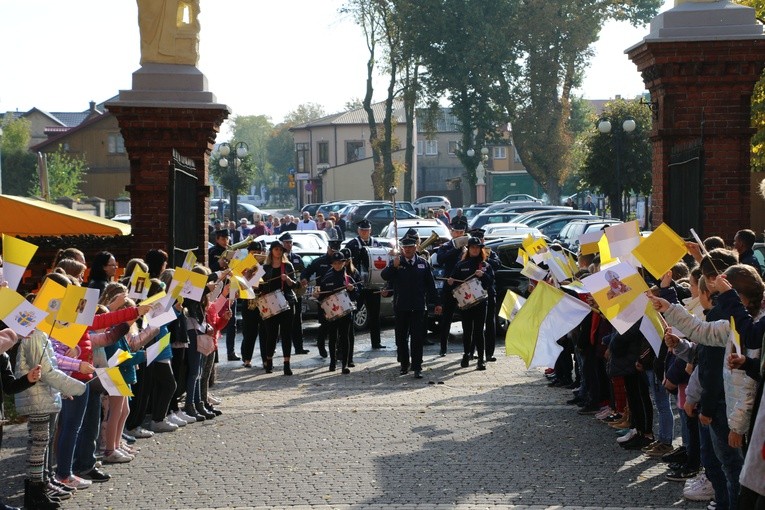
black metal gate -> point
(184, 220)
(686, 167)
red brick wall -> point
(150, 136)
(707, 82)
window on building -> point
(452, 148)
(116, 144)
(420, 147)
(323, 152)
(301, 156)
(499, 152)
(354, 151)
(431, 147)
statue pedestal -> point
(480, 193)
(700, 63)
(168, 108)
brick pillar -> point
(168, 108)
(701, 79)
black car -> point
(311, 208)
(380, 218)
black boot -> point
(322, 351)
(287, 369)
(191, 411)
(201, 409)
(480, 365)
(332, 364)
(35, 497)
(465, 360)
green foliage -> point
(599, 170)
(281, 150)
(758, 101)
(255, 131)
(65, 174)
(16, 134)
(305, 112)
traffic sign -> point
(291, 184)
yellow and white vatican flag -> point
(118, 358)
(17, 254)
(113, 382)
(511, 305)
(153, 350)
(79, 305)
(254, 280)
(622, 239)
(735, 339)
(193, 283)
(19, 314)
(240, 288)
(660, 251)
(548, 314)
(588, 243)
(619, 291)
(138, 287)
(652, 327)
(535, 248)
(68, 333)
(189, 260)
(559, 266)
(533, 271)
(239, 265)
(49, 299)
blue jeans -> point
(713, 468)
(731, 458)
(85, 452)
(663, 407)
(69, 425)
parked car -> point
(311, 208)
(242, 211)
(549, 213)
(379, 218)
(422, 204)
(302, 240)
(569, 235)
(496, 217)
(122, 218)
(357, 211)
(424, 227)
(467, 212)
(407, 206)
(520, 197)
(504, 230)
(552, 226)
(331, 207)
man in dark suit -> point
(413, 284)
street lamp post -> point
(618, 137)
(480, 174)
(232, 160)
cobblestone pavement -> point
(458, 438)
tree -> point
(255, 131)
(632, 173)
(65, 174)
(305, 112)
(758, 101)
(17, 164)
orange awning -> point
(21, 216)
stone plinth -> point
(700, 63)
(168, 108)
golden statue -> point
(169, 31)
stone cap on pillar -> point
(704, 21)
(168, 86)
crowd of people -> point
(714, 382)
(76, 428)
(333, 225)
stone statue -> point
(480, 174)
(169, 31)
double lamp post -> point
(232, 160)
(618, 138)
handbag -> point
(205, 344)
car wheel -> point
(361, 318)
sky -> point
(260, 57)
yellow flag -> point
(238, 266)
(660, 251)
(113, 382)
(138, 287)
(17, 255)
(19, 314)
(153, 350)
(49, 299)
(118, 358)
(194, 283)
(189, 261)
(511, 305)
(68, 333)
(605, 252)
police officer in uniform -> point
(412, 280)
(368, 296)
(491, 303)
(297, 320)
(449, 254)
(317, 269)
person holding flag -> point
(279, 275)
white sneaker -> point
(712, 505)
(698, 479)
(185, 417)
(626, 437)
(176, 420)
(118, 457)
(212, 399)
(163, 426)
(75, 482)
(140, 433)
(700, 492)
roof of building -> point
(358, 116)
